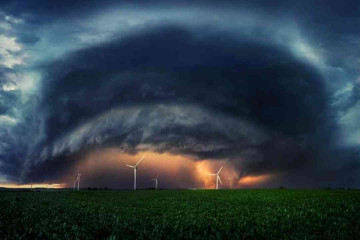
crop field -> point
(181, 214)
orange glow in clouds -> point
(107, 168)
(178, 171)
(35, 185)
(204, 168)
(249, 181)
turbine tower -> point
(135, 167)
(156, 182)
(77, 181)
(217, 177)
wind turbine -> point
(156, 182)
(135, 167)
(217, 177)
(77, 181)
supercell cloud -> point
(267, 89)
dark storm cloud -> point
(239, 79)
(316, 14)
(12, 158)
(211, 91)
(263, 83)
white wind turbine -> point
(156, 182)
(77, 181)
(135, 167)
(217, 177)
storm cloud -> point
(239, 84)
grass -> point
(181, 214)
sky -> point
(268, 89)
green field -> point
(181, 214)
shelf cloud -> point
(271, 90)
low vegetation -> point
(181, 214)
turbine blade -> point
(129, 166)
(219, 179)
(220, 169)
(157, 176)
(140, 160)
(212, 174)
